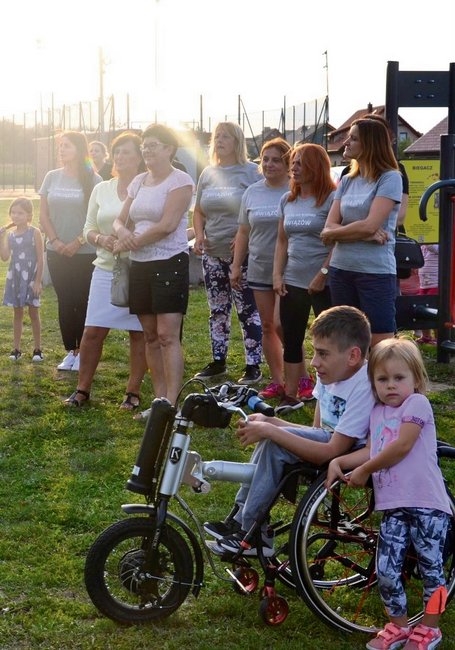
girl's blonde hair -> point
(241, 155)
(404, 350)
(25, 204)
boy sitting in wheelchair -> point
(341, 339)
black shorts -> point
(160, 287)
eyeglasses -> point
(151, 146)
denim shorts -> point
(372, 293)
(160, 287)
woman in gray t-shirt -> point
(255, 241)
(300, 264)
(362, 224)
(219, 193)
(65, 193)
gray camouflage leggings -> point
(426, 529)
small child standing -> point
(408, 487)
(24, 245)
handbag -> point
(408, 255)
(120, 281)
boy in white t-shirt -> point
(341, 339)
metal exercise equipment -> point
(431, 89)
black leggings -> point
(294, 314)
(71, 278)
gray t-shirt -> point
(259, 211)
(219, 192)
(303, 222)
(356, 196)
(67, 208)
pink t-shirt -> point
(147, 208)
(416, 481)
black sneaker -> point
(15, 355)
(213, 369)
(37, 355)
(287, 405)
(233, 544)
(251, 375)
(220, 529)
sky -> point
(166, 53)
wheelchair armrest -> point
(295, 474)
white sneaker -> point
(76, 364)
(68, 361)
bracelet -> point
(97, 238)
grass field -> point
(63, 473)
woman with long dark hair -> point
(65, 194)
(361, 224)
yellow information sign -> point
(422, 174)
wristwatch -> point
(324, 270)
(81, 240)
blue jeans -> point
(270, 459)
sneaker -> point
(271, 391)
(220, 529)
(68, 361)
(233, 544)
(251, 375)
(76, 365)
(423, 638)
(213, 369)
(287, 405)
(305, 389)
(15, 355)
(215, 548)
(37, 355)
(426, 340)
(391, 637)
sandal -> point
(131, 402)
(73, 401)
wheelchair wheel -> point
(332, 554)
(128, 581)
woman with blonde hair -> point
(361, 225)
(301, 262)
(256, 238)
(219, 194)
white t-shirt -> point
(148, 207)
(345, 406)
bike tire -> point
(332, 555)
(129, 582)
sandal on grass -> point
(131, 401)
(73, 401)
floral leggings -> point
(220, 296)
(426, 530)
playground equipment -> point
(431, 89)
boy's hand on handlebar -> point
(251, 431)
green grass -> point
(63, 473)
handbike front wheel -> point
(333, 548)
(130, 582)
